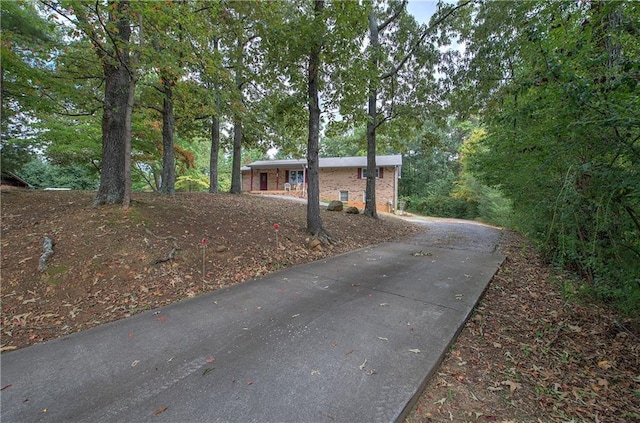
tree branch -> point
(422, 37)
(101, 50)
(387, 118)
(109, 35)
(146, 106)
(69, 114)
(144, 176)
(393, 17)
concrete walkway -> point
(348, 339)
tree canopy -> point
(557, 86)
(178, 94)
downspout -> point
(395, 190)
(251, 187)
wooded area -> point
(524, 114)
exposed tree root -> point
(170, 257)
(370, 213)
(324, 237)
(172, 253)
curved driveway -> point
(349, 339)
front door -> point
(263, 182)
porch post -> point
(251, 187)
(304, 180)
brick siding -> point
(332, 181)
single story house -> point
(341, 178)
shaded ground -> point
(108, 263)
(526, 354)
(529, 355)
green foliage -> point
(347, 145)
(438, 181)
(563, 131)
(14, 153)
(41, 174)
(192, 181)
(25, 51)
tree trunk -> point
(215, 136)
(236, 182)
(128, 188)
(370, 194)
(114, 119)
(236, 175)
(168, 178)
(215, 150)
(314, 221)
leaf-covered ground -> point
(529, 355)
(526, 354)
(109, 263)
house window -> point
(344, 195)
(296, 176)
(363, 173)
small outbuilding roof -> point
(328, 162)
(9, 178)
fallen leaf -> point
(207, 370)
(605, 364)
(160, 410)
(512, 385)
(440, 401)
(315, 372)
(364, 363)
(8, 348)
(415, 351)
(383, 339)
